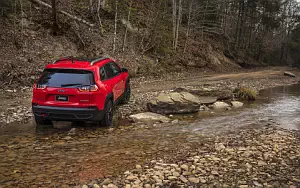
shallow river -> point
(54, 158)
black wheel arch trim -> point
(109, 96)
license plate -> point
(62, 98)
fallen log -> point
(63, 12)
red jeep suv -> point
(79, 89)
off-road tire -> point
(42, 123)
(127, 93)
(108, 115)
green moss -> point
(243, 93)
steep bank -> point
(27, 45)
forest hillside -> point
(150, 37)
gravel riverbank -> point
(261, 157)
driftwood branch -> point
(63, 12)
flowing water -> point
(279, 106)
(54, 157)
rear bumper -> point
(68, 114)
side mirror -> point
(124, 70)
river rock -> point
(236, 104)
(219, 146)
(106, 181)
(208, 100)
(112, 186)
(289, 74)
(220, 105)
(172, 178)
(205, 92)
(131, 178)
(72, 132)
(194, 180)
(183, 179)
(147, 117)
(174, 103)
(184, 167)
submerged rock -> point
(149, 117)
(175, 103)
(220, 105)
(236, 104)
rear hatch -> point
(61, 87)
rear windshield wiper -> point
(68, 85)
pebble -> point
(131, 178)
(111, 186)
(194, 180)
(183, 179)
(172, 178)
(176, 174)
(106, 181)
(138, 166)
(184, 167)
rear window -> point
(66, 78)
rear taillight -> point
(39, 86)
(91, 88)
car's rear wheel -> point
(42, 123)
(108, 116)
(127, 93)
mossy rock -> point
(243, 93)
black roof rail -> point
(62, 59)
(91, 61)
(97, 60)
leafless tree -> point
(54, 18)
(115, 30)
(126, 29)
(189, 24)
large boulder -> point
(149, 117)
(205, 92)
(175, 103)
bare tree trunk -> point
(103, 4)
(115, 32)
(99, 18)
(41, 3)
(225, 17)
(30, 10)
(174, 21)
(91, 7)
(203, 19)
(15, 24)
(54, 18)
(22, 16)
(126, 30)
(98, 6)
(178, 23)
(189, 25)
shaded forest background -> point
(148, 36)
